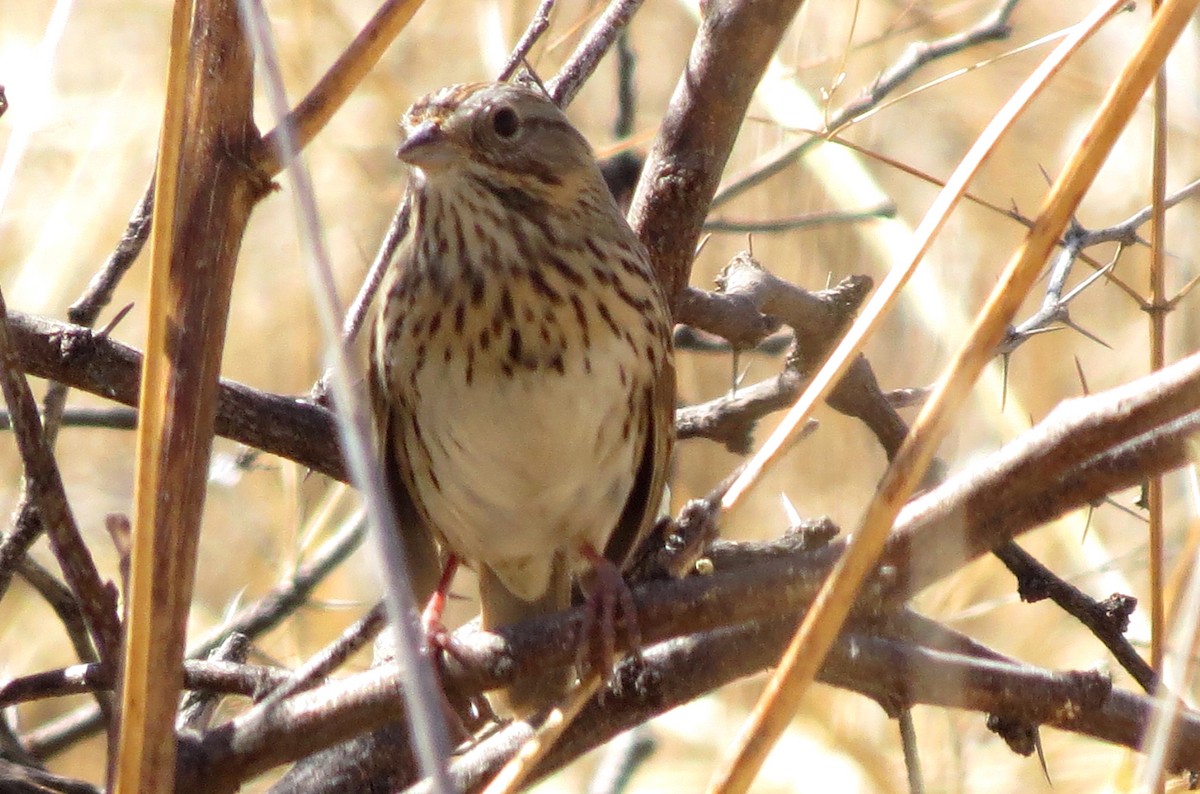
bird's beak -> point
(426, 146)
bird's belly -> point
(527, 464)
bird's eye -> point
(505, 122)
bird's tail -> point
(501, 607)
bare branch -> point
(587, 55)
(734, 45)
(45, 488)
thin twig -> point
(65, 606)
(809, 220)
(86, 309)
(537, 26)
(587, 55)
(993, 26)
(1107, 620)
(1075, 242)
(387, 250)
(912, 754)
(354, 638)
(45, 487)
(118, 418)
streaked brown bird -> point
(522, 367)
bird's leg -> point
(461, 711)
(608, 599)
(437, 637)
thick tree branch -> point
(285, 426)
(736, 41)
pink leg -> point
(608, 600)
(436, 635)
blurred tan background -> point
(92, 113)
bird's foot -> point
(609, 604)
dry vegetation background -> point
(96, 113)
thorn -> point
(532, 74)
(1110, 501)
(1143, 500)
(793, 515)
(1041, 754)
(1004, 382)
(740, 379)
(1087, 282)
(1082, 379)
(111, 324)
(1067, 321)
(1183, 292)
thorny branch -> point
(1114, 438)
(993, 26)
(285, 426)
(1054, 308)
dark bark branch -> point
(730, 420)
(734, 318)
(284, 426)
(43, 483)
(734, 44)
(219, 676)
(1085, 448)
(587, 55)
(1107, 620)
(118, 418)
(751, 303)
(16, 779)
(888, 671)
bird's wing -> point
(420, 547)
(642, 508)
